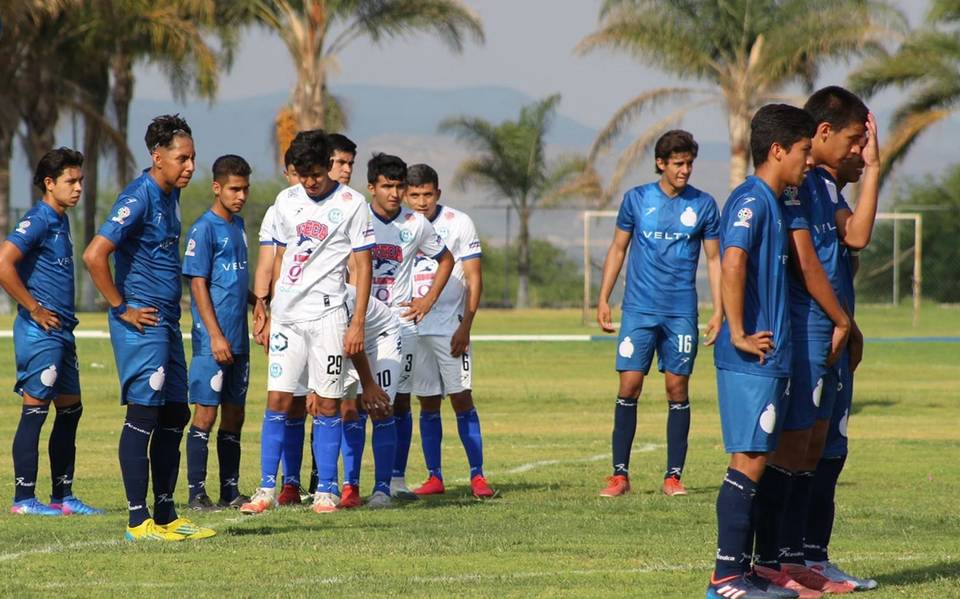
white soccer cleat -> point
(324, 503)
(379, 500)
(262, 500)
(831, 571)
(399, 490)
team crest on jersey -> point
(23, 226)
(743, 218)
(442, 232)
(688, 218)
(311, 229)
(191, 248)
(123, 213)
(450, 216)
(346, 196)
(406, 235)
(335, 216)
(791, 196)
(409, 216)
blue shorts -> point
(841, 380)
(751, 409)
(807, 370)
(212, 384)
(151, 364)
(673, 337)
(46, 362)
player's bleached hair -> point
(309, 149)
(781, 124)
(676, 141)
(230, 164)
(341, 143)
(53, 163)
(391, 168)
(422, 174)
(163, 129)
(837, 106)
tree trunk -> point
(91, 153)
(308, 96)
(739, 124)
(523, 259)
(6, 155)
(122, 96)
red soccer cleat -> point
(433, 486)
(617, 485)
(815, 580)
(349, 498)
(480, 488)
(289, 495)
(672, 486)
(782, 579)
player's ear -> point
(823, 131)
(216, 187)
(439, 191)
(49, 183)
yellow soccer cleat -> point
(188, 530)
(148, 530)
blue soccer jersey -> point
(43, 236)
(144, 225)
(813, 206)
(217, 251)
(665, 247)
(752, 221)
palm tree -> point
(511, 163)
(749, 50)
(927, 62)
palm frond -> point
(905, 135)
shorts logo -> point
(311, 229)
(23, 226)
(688, 218)
(790, 196)
(275, 370)
(626, 348)
(817, 391)
(123, 213)
(406, 235)
(191, 248)
(49, 376)
(278, 342)
(842, 425)
(157, 379)
(335, 216)
(768, 420)
(216, 381)
(743, 215)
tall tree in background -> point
(928, 64)
(749, 50)
(511, 163)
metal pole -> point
(506, 261)
(586, 268)
(917, 265)
(896, 262)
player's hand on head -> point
(604, 318)
(416, 309)
(353, 340)
(220, 348)
(140, 317)
(45, 318)
(713, 329)
(871, 152)
(757, 344)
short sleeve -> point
(742, 228)
(267, 226)
(711, 220)
(29, 233)
(430, 243)
(796, 204)
(360, 229)
(625, 214)
(126, 217)
(842, 204)
(198, 257)
(469, 242)
(282, 229)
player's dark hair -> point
(309, 149)
(837, 106)
(673, 142)
(422, 174)
(392, 168)
(342, 143)
(230, 164)
(162, 129)
(778, 123)
(53, 163)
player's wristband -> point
(118, 311)
(854, 252)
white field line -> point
(646, 447)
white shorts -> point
(315, 347)
(408, 349)
(436, 372)
(384, 358)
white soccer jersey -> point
(380, 319)
(319, 236)
(268, 226)
(460, 236)
(399, 240)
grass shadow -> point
(931, 573)
(858, 406)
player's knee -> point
(204, 417)
(462, 401)
(279, 402)
(431, 403)
(298, 408)
(401, 405)
(144, 418)
(631, 384)
(232, 417)
(327, 407)
(174, 414)
(349, 410)
(677, 391)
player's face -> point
(850, 170)
(66, 189)
(176, 163)
(387, 194)
(341, 167)
(313, 179)
(423, 198)
(677, 169)
(232, 193)
(290, 174)
(837, 146)
(797, 161)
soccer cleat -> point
(480, 488)
(617, 485)
(188, 529)
(774, 589)
(783, 580)
(736, 587)
(201, 503)
(33, 507)
(289, 495)
(831, 571)
(72, 505)
(233, 504)
(672, 486)
(262, 500)
(149, 531)
(399, 490)
(350, 497)
(433, 486)
(815, 580)
(324, 503)
(378, 500)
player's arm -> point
(353, 340)
(97, 260)
(711, 247)
(219, 346)
(815, 279)
(473, 275)
(855, 345)
(418, 307)
(372, 398)
(611, 270)
(262, 285)
(10, 256)
(733, 279)
(856, 227)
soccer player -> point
(753, 348)
(215, 263)
(442, 361)
(36, 270)
(344, 151)
(319, 223)
(664, 224)
(142, 233)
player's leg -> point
(384, 438)
(428, 386)
(456, 376)
(676, 353)
(402, 416)
(232, 415)
(206, 387)
(352, 442)
(292, 456)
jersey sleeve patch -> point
(126, 217)
(29, 233)
(198, 257)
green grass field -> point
(546, 411)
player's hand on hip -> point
(459, 342)
(140, 317)
(713, 329)
(837, 343)
(45, 318)
(220, 348)
(757, 344)
(417, 308)
(353, 340)
(855, 347)
(604, 318)
(375, 401)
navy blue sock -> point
(271, 445)
(63, 450)
(293, 434)
(431, 438)
(384, 448)
(468, 426)
(172, 417)
(822, 509)
(404, 426)
(351, 448)
(228, 456)
(198, 441)
(734, 505)
(327, 433)
(624, 428)
(771, 500)
(138, 426)
(678, 429)
(26, 452)
(794, 522)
